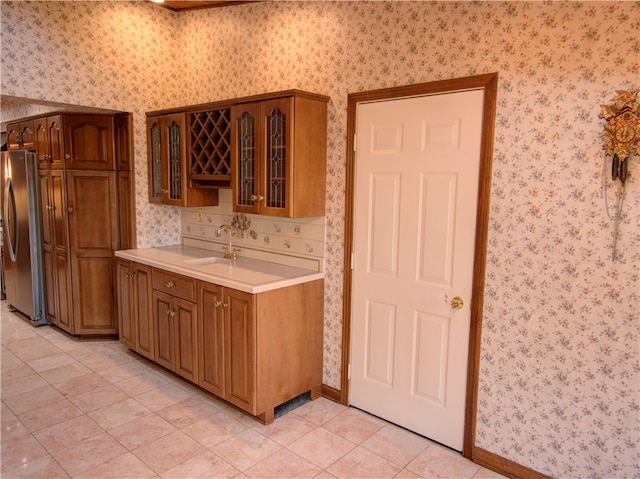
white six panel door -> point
(417, 167)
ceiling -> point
(182, 5)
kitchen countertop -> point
(244, 274)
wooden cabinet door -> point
(49, 142)
(167, 152)
(13, 136)
(185, 323)
(163, 335)
(211, 345)
(157, 176)
(240, 339)
(48, 248)
(20, 135)
(275, 181)
(123, 142)
(88, 142)
(27, 137)
(57, 280)
(144, 342)
(92, 217)
(41, 133)
(245, 150)
(125, 287)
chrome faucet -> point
(229, 252)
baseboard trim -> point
(331, 393)
(504, 466)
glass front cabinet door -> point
(166, 136)
(279, 156)
(168, 170)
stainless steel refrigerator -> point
(22, 254)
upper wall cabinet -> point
(168, 176)
(278, 152)
(20, 135)
(269, 149)
(88, 142)
(75, 141)
(49, 142)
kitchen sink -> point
(207, 260)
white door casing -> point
(416, 190)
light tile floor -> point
(92, 409)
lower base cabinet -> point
(135, 322)
(255, 351)
(175, 314)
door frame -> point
(489, 83)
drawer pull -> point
(170, 284)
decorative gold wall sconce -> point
(621, 141)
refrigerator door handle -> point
(11, 228)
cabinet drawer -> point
(174, 284)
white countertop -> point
(244, 274)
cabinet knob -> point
(170, 284)
(67, 156)
(70, 209)
(257, 198)
(221, 303)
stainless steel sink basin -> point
(207, 260)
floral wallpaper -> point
(560, 372)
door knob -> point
(456, 303)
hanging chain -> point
(618, 209)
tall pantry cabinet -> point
(85, 208)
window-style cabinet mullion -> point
(156, 186)
(175, 145)
(277, 118)
(246, 168)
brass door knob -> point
(456, 303)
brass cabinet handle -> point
(221, 303)
(171, 312)
(170, 284)
(257, 198)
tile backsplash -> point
(300, 237)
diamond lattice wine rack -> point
(210, 148)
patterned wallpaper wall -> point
(560, 355)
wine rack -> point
(210, 148)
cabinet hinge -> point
(353, 259)
(355, 142)
(349, 371)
